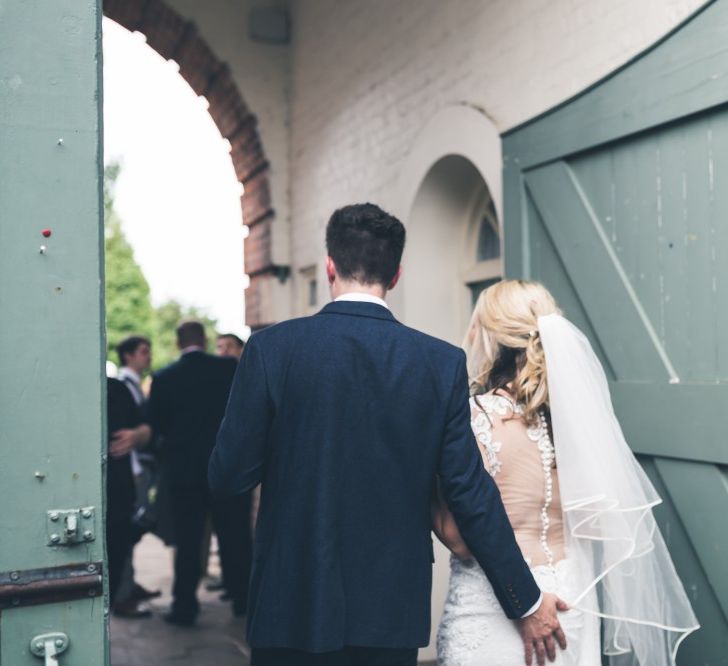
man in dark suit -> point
(126, 433)
(186, 405)
(349, 419)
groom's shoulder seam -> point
(282, 327)
(432, 341)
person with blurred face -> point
(135, 357)
(186, 404)
(229, 344)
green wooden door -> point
(52, 390)
(618, 202)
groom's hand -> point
(539, 630)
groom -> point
(349, 419)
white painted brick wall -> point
(368, 74)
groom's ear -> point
(330, 270)
(395, 279)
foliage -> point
(129, 309)
(128, 304)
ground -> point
(218, 637)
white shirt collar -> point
(126, 372)
(362, 298)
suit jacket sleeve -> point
(474, 500)
(155, 410)
(236, 464)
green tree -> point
(128, 304)
(129, 309)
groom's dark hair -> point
(365, 243)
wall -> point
(368, 76)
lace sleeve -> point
(485, 411)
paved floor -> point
(217, 639)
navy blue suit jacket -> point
(185, 407)
(348, 418)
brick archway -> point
(176, 38)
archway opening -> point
(195, 244)
(177, 39)
(171, 195)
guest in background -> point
(229, 344)
(186, 405)
(126, 433)
(232, 520)
(135, 357)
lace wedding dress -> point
(474, 631)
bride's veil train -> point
(628, 578)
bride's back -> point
(520, 460)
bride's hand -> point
(539, 630)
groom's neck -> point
(341, 287)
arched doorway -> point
(454, 247)
(177, 39)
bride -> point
(579, 503)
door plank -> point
(709, 645)
(626, 334)
(673, 420)
(700, 496)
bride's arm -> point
(444, 527)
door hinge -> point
(67, 527)
(33, 587)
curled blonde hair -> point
(503, 343)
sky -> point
(177, 195)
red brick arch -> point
(176, 38)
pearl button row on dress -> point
(547, 458)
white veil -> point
(628, 578)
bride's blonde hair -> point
(503, 344)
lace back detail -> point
(486, 406)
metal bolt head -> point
(55, 538)
(54, 516)
(91, 568)
(14, 575)
(42, 249)
(39, 645)
(59, 643)
(92, 593)
(86, 513)
(60, 141)
(88, 535)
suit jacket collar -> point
(192, 354)
(358, 309)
